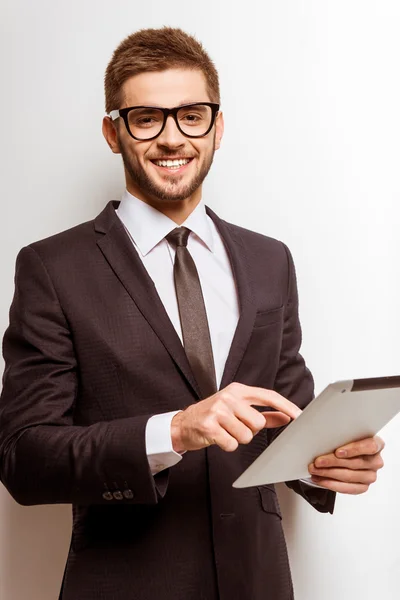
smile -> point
(172, 165)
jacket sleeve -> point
(44, 457)
(295, 382)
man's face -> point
(149, 181)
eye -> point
(145, 121)
(144, 118)
(192, 117)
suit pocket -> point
(269, 500)
(261, 358)
(268, 317)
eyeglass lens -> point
(145, 123)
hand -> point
(228, 419)
(350, 469)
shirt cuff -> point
(159, 450)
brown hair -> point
(157, 50)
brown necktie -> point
(192, 313)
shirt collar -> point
(148, 226)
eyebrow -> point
(180, 104)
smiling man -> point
(140, 344)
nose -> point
(171, 136)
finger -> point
(275, 419)
(263, 397)
(238, 430)
(248, 415)
(339, 486)
(346, 475)
(256, 420)
(373, 462)
(372, 445)
(225, 441)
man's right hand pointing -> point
(228, 418)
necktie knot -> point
(178, 236)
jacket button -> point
(128, 494)
(107, 496)
(118, 495)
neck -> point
(177, 211)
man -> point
(122, 331)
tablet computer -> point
(344, 412)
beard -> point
(171, 190)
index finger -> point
(263, 397)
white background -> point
(311, 154)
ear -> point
(111, 135)
(219, 130)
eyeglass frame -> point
(123, 112)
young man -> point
(122, 331)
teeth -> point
(172, 163)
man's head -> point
(163, 68)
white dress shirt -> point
(147, 228)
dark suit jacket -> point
(90, 355)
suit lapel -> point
(240, 267)
(117, 248)
(126, 264)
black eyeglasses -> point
(147, 122)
